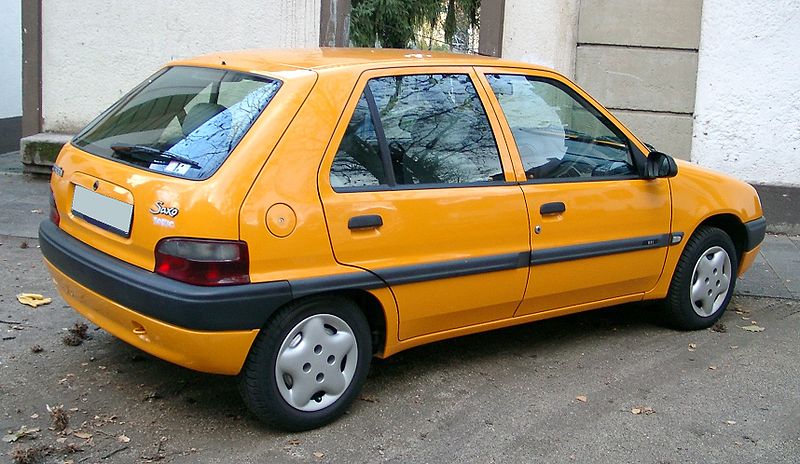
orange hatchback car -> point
(284, 216)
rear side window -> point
(419, 130)
(184, 122)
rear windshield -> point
(183, 122)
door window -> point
(558, 134)
(418, 130)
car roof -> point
(277, 60)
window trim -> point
(638, 158)
(392, 185)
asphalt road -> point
(724, 395)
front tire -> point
(703, 282)
(308, 364)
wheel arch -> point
(369, 304)
(731, 225)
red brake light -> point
(54, 216)
(203, 262)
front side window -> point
(184, 122)
(558, 135)
(418, 130)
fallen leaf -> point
(581, 398)
(730, 422)
(33, 300)
(294, 442)
(318, 455)
(647, 410)
(22, 432)
(712, 368)
(692, 346)
(123, 439)
(752, 328)
(83, 435)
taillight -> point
(54, 216)
(203, 262)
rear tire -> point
(703, 282)
(308, 364)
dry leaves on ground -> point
(646, 410)
(581, 398)
(22, 432)
(34, 300)
(752, 328)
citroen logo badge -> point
(95, 185)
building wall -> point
(11, 57)
(543, 32)
(747, 117)
(94, 53)
(639, 59)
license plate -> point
(102, 211)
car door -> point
(600, 230)
(416, 189)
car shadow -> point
(146, 379)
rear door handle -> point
(552, 208)
(368, 221)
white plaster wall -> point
(94, 51)
(11, 58)
(747, 109)
(542, 32)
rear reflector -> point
(203, 262)
(54, 216)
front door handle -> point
(555, 207)
(368, 221)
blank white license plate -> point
(102, 211)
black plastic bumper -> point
(755, 232)
(239, 307)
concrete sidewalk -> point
(775, 273)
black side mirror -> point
(660, 165)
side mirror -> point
(660, 165)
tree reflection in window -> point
(436, 132)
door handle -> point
(552, 208)
(368, 221)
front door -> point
(417, 190)
(600, 230)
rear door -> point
(417, 189)
(600, 230)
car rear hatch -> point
(173, 158)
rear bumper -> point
(237, 307)
(213, 352)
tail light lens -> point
(203, 262)
(54, 216)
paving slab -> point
(762, 280)
(24, 203)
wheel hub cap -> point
(711, 281)
(316, 362)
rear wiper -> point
(153, 155)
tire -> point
(308, 364)
(703, 282)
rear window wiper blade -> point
(144, 153)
